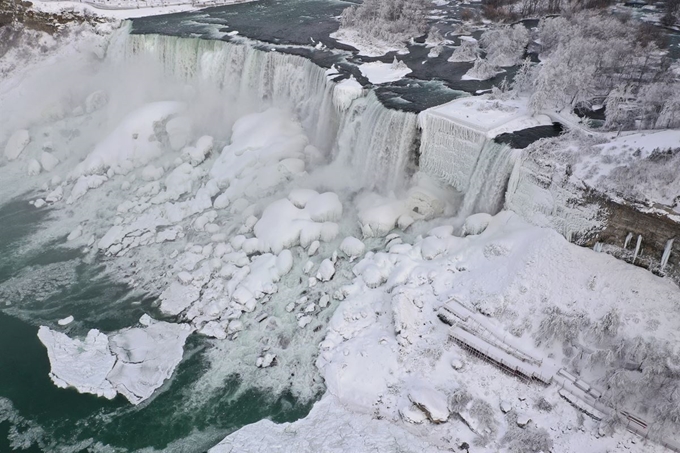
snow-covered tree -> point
(387, 20)
(505, 46)
(482, 70)
(467, 51)
(524, 78)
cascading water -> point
(376, 142)
(489, 181)
(380, 152)
(461, 156)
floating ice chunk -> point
(476, 224)
(146, 358)
(39, 203)
(265, 361)
(179, 132)
(432, 402)
(308, 267)
(65, 321)
(323, 302)
(352, 247)
(326, 271)
(304, 321)
(48, 161)
(16, 144)
(82, 364)
(180, 180)
(75, 234)
(222, 201)
(33, 167)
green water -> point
(45, 283)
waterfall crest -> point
(374, 141)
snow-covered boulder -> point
(179, 132)
(48, 161)
(16, 144)
(352, 247)
(33, 167)
(476, 224)
(432, 402)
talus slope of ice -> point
(387, 354)
(133, 362)
(385, 341)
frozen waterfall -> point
(379, 145)
(376, 142)
(462, 156)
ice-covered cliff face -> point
(348, 125)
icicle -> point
(449, 151)
(628, 238)
(637, 247)
(598, 247)
(666, 253)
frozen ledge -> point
(490, 117)
(133, 362)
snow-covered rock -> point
(48, 161)
(16, 144)
(352, 247)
